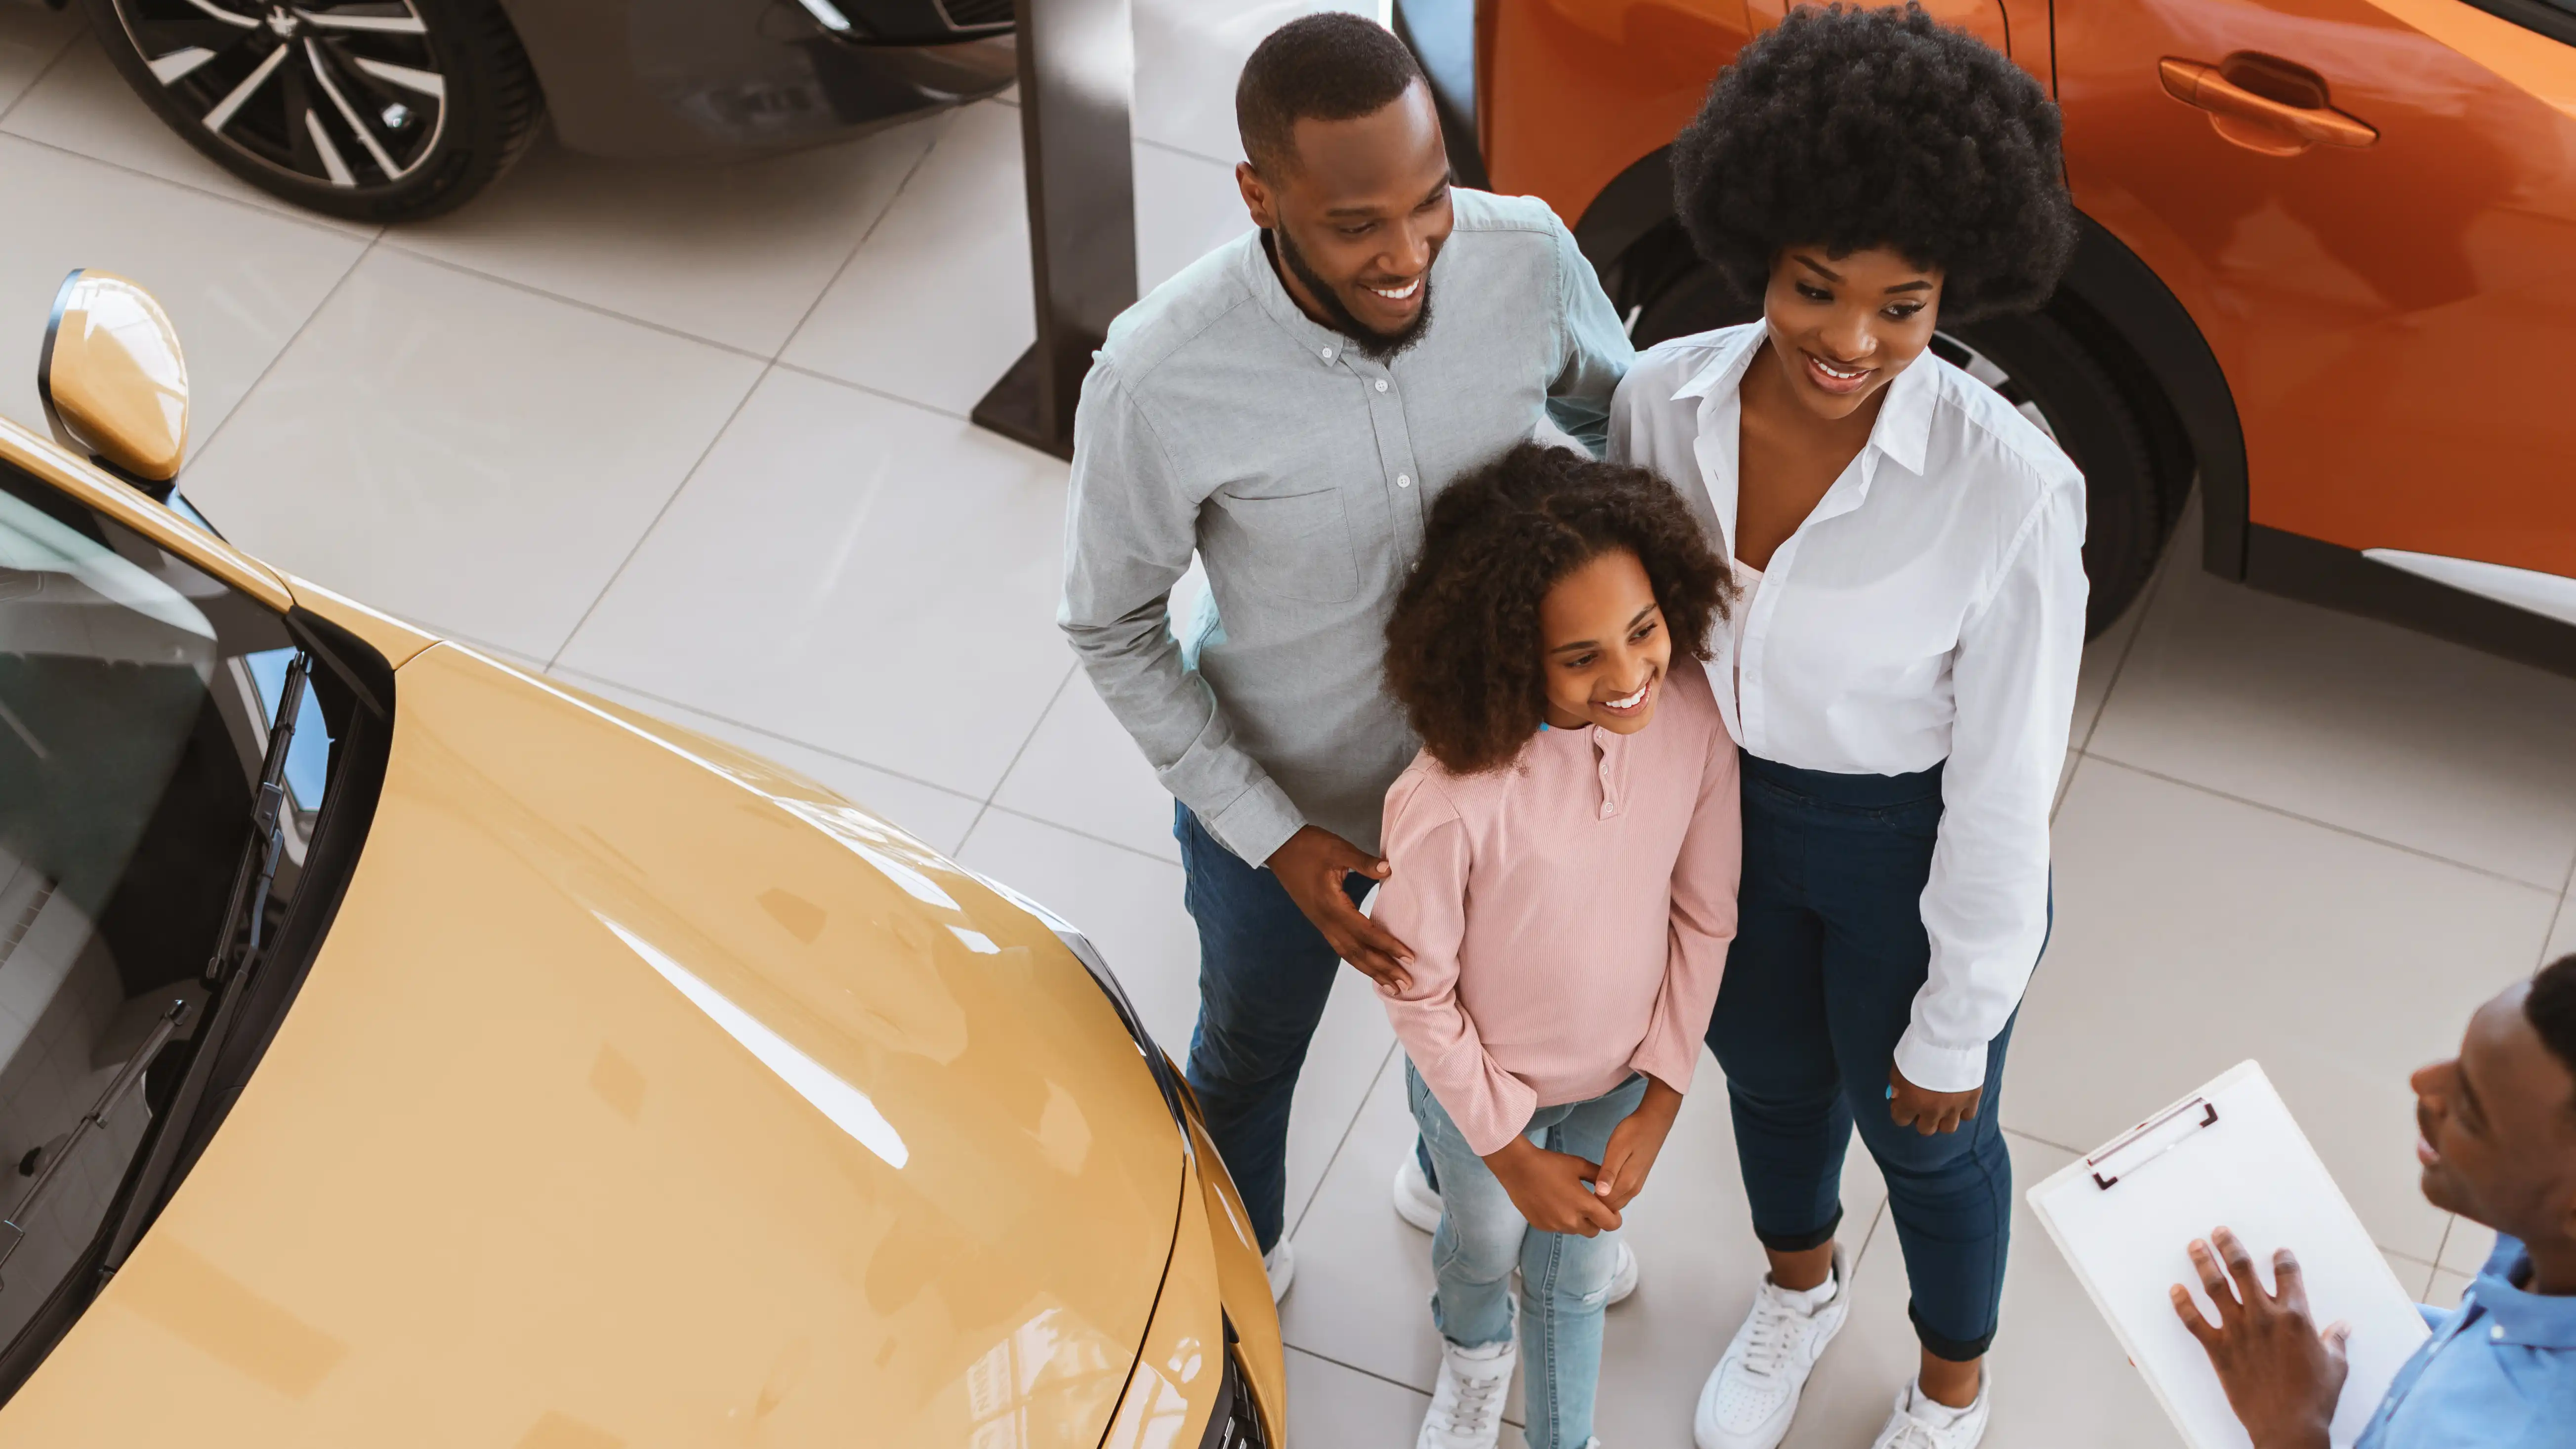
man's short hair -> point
(2551, 1009)
(1333, 66)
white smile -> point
(1400, 293)
(1634, 700)
(1836, 373)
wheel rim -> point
(1984, 369)
(346, 95)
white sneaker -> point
(1418, 1205)
(1415, 1202)
(1467, 1405)
(1919, 1423)
(1752, 1394)
(1281, 1264)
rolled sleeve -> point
(1705, 876)
(1986, 904)
(1131, 525)
(1595, 349)
(1424, 902)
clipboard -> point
(2227, 1155)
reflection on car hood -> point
(645, 1094)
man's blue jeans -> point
(1265, 973)
(1565, 1279)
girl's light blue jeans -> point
(1565, 1279)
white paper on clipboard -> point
(2227, 1155)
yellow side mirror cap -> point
(113, 380)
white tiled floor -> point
(694, 439)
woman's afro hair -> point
(1852, 128)
(1463, 645)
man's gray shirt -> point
(1219, 418)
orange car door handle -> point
(2198, 83)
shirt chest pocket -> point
(1292, 547)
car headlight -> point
(1166, 1079)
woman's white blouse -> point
(1930, 608)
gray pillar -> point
(1077, 85)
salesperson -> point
(1901, 665)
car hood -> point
(643, 1093)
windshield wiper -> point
(257, 874)
(252, 881)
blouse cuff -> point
(1940, 1068)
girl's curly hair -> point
(1462, 648)
(1850, 128)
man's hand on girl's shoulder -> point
(1635, 1143)
(1311, 866)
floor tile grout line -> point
(533, 290)
(71, 41)
(274, 213)
(2043, 1142)
(256, 383)
(1343, 1141)
(659, 514)
(934, 409)
(942, 123)
(1004, 778)
(2344, 830)
(2557, 915)
(1073, 830)
(1355, 1368)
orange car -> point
(2328, 267)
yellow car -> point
(397, 1048)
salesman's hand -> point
(1553, 1190)
(2281, 1375)
(1927, 1111)
(1312, 865)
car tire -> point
(2036, 362)
(373, 110)
(2040, 367)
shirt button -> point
(2496, 1333)
(1326, 354)
(1381, 384)
(1403, 480)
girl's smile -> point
(1606, 645)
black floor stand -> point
(1077, 83)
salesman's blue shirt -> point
(2498, 1373)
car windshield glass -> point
(136, 700)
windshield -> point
(137, 695)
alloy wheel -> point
(346, 94)
(1984, 369)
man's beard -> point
(1374, 345)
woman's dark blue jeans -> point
(1829, 952)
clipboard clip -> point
(2168, 1129)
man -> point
(1288, 407)
(2499, 1148)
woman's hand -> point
(1926, 1111)
(1552, 1190)
(1634, 1144)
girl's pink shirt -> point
(1568, 914)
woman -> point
(1899, 669)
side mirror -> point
(114, 384)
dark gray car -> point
(386, 110)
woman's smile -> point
(1838, 379)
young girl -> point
(1563, 857)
